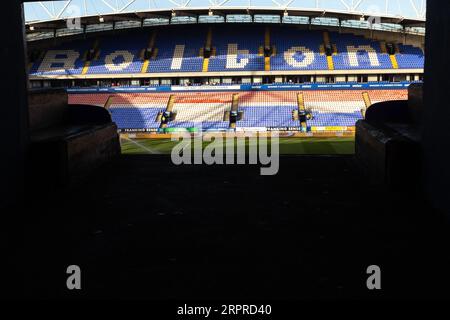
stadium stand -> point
(337, 108)
(178, 52)
(119, 56)
(65, 59)
(342, 108)
(357, 52)
(205, 109)
(237, 50)
(267, 109)
(297, 51)
(232, 49)
(137, 111)
(330, 109)
(410, 57)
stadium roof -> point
(367, 18)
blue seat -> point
(237, 48)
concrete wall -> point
(47, 108)
(14, 112)
(436, 129)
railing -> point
(248, 87)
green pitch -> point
(306, 146)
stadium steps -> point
(151, 44)
(301, 102)
(87, 63)
(266, 63)
(159, 117)
(97, 49)
(267, 37)
(301, 110)
(155, 53)
(169, 108)
(39, 58)
(109, 102)
(86, 66)
(383, 47)
(170, 103)
(152, 40)
(322, 50)
(209, 38)
(267, 44)
(394, 61)
(330, 62)
(208, 44)
(367, 103)
(335, 50)
(234, 107)
(327, 43)
(145, 66)
(326, 38)
(33, 57)
(394, 58)
(261, 51)
(366, 99)
(205, 65)
(235, 103)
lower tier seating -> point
(135, 118)
(258, 109)
(268, 116)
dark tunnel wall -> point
(436, 135)
(14, 117)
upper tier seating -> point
(297, 50)
(119, 56)
(410, 57)
(178, 51)
(237, 49)
(234, 48)
(357, 52)
(65, 59)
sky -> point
(37, 11)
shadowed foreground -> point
(144, 228)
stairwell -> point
(329, 53)
(88, 60)
(151, 46)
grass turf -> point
(306, 146)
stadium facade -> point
(230, 68)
